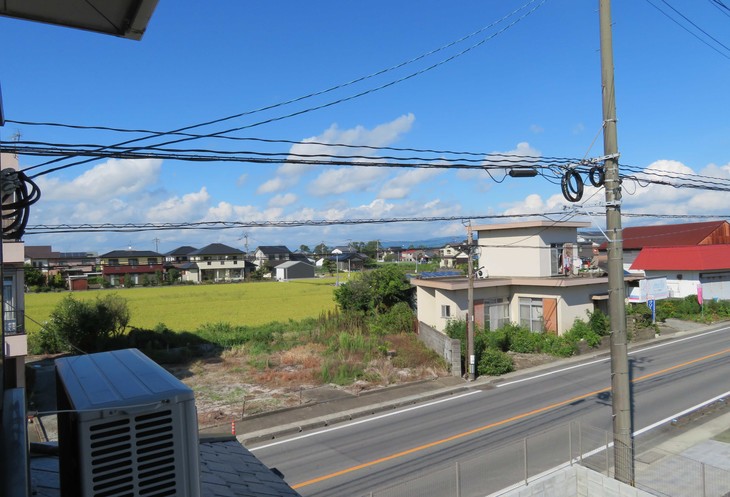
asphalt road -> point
(486, 422)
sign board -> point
(651, 303)
(656, 288)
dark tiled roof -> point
(227, 469)
(40, 252)
(184, 250)
(274, 249)
(216, 249)
(670, 235)
(130, 253)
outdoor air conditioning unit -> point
(482, 273)
(126, 427)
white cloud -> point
(346, 179)
(113, 178)
(318, 147)
(282, 200)
(241, 179)
(536, 128)
(401, 185)
(176, 209)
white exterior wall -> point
(678, 288)
(573, 302)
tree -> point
(375, 291)
(321, 249)
(305, 249)
(328, 265)
(84, 325)
(34, 276)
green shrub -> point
(523, 340)
(599, 323)
(494, 362)
(397, 319)
(558, 346)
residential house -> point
(180, 255)
(40, 257)
(689, 268)
(290, 270)
(130, 267)
(344, 249)
(271, 255)
(525, 275)
(392, 254)
(453, 255)
(348, 262)
(15, 341)
(216, 262)
(671, 235)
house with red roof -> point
(688, 267)
(636, 238)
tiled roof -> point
(670, 235)
(40, 252)
(689, 258)
(227, 469)
(130, 253)
(274, 249)
(216, 249)
(184, 250)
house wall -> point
(295, 271)
(679, 288)
(572, 302)
(521, 251)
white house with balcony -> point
(527, 273)
(216, 262)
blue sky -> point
(533, 89)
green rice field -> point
(185, 308)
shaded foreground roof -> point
(227, 469)
(671, 235)
(689, 258)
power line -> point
(311, 109)
(727, 56)
(225, 225)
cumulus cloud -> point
(282, 200)
(536, 128)
(113, 178)
(177, 209)
(343, 180)
(403, 183)
(322, 146)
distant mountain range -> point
(428, 243)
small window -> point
(113, 262)
(152, 260)
(133, 262)
(679, 276)
(446, 311)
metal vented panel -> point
(144, 444)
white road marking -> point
(606, 359)
(367, 420)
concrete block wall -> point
(448, 348)
(574, 481)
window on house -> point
(446, 311)
(496, 313)
(152, 260)
(9, 312)
(113, 262)
(133, 262)
(531, 314)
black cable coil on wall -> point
(18, 194)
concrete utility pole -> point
(470, 298)
(623, 441)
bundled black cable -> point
(18, 194)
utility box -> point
(126, 427)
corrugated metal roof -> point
(669, 235)
(689, 258)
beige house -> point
(526, 273)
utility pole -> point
(623, 441)
(470, 298)
(157, 244)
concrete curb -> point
(326, 420)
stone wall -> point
(448, 348)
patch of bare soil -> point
(235, 384)
(525, 361)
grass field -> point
(185, 308)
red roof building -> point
(676, 235)
(694, 258)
